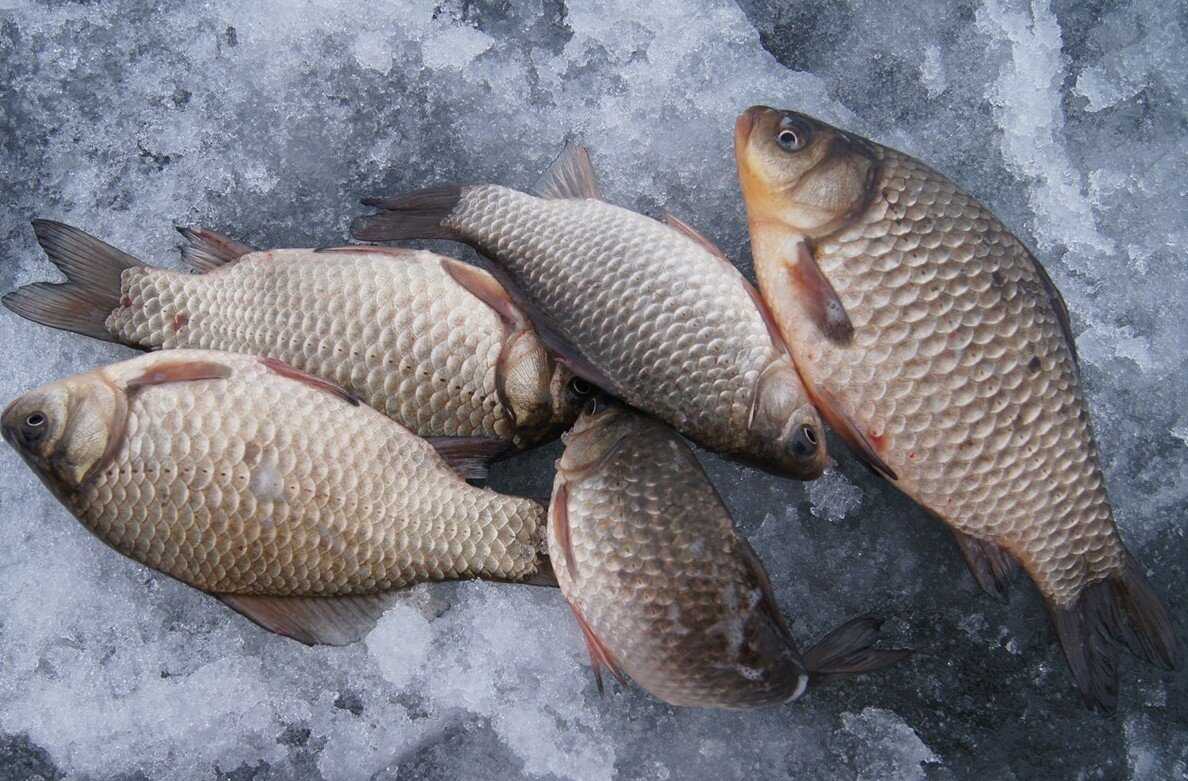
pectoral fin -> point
(853, 435)
(818, 295)
(470, 457)
(179, 371)
(285, 370)
(600, 655)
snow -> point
(268, 120)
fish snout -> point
(746, 122)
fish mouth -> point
(746, 123)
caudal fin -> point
(848, 650)
(1119, 612)
(92, 287)
(416, 215)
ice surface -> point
(267, 121)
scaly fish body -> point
(393, 327)
(937, 346)
(651, 312)
(662, 585)
(238, 477)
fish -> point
(649, 311)
(664, 588)
(275, 491)
(435, 344)
(938, 348)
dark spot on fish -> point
(998, 280)
(1034, 364)
(126, 301)
(251, 453)
(180, 319)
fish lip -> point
(746, 123)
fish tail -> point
(92, 288)
(848, 650)
(416, 215)
(1119, 611)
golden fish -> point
(435, 344)
(933, 343)
(271, 489)
(663, 587)
(651, 312)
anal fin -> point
(992, 566)
(313, 620)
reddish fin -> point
(600, 655)
(821, 300)
(417, 215)
(470, 457)
(571, 176)
(91, 291)
(992, 566)
(179, 371)
(396, 253)
(676, 223)
(848, 650)
(487, 289)
(853, 436)
(208, 250)
(559, 523)
(777, 339)
(285, 370)
(314, 620)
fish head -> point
(800, 172)
(598, 430)
(784, 426)
(542, 394)
(66, 429)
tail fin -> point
(415, 215)
(1119, 611)
(92, 287)
(848, 650)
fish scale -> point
(212, 487)
(1002, 449)
(621, 286)
(398, 332)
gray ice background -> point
(267, 120)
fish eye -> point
(804, 442)
(35, 420)
(791, 136)
(580, 387)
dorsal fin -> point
(208, 250)
(570, 176)
(313, 620)
(285, 370)
(179, 371)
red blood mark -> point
(126, 301)
(912, 455)
(180, 319)
(877, 440)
